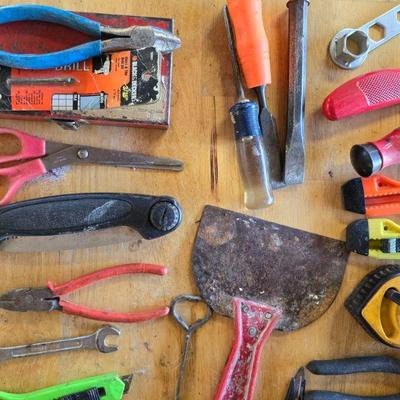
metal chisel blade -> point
(70, 241)
(272, 147)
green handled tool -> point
(102, 387)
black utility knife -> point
(85, 220)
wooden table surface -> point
(201, 135)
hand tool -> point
(42, 156)
(375, 196)
(252, 49)
(377, 238)
(252, 156)
(241, 265)
(189, 329)
(370, 158)
(52, 297)
(135, 37)
(346, 366)
(295, 152)
(101, 387)
(374, 304)
(95, 341)
(363, 94)
(350, 47)
(86, 220)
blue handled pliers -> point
(134, 37)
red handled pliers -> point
(51, 297)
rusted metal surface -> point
(297, 272)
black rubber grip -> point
(324, 395)
(151, 216)
(355, 365)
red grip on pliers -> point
(91, 313)
(363, 94)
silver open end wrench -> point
(95, 341)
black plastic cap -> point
(357, 237)
(353, 196)
(366, 159)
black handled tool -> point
(85, 220)
(344, 366)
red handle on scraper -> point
(254, 323)
(251, 41)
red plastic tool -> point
(372, 157)
(376, 196)
(254, 324)
(51, 297)
(363, 94)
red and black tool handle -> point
(363, 94)
(107, 273)
(151, 216)
(254, 323)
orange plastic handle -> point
(251, 41)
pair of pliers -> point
(134, 37)
(51, 297)
(42, 156)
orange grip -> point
(251, 41)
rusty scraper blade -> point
(298, 272)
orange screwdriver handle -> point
(251, 41)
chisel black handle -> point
(151, 216)
(324, 395)
(355, 365)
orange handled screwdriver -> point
(252, 48)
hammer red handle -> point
(389, 148)
(254, 323)
(363, 94)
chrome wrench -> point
(95, 341)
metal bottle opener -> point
(350, 47)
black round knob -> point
(366, 159)
(165, 216)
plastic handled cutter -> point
(52, 297)
(41, 156)
(376, 196)
(134, 37)
(104, 387)
(377, 238)
(374, 303)
(345, 366)
(369, 92)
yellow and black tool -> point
(377, 238)
(374, 304)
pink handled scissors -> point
(40, 156)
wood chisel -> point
(102, 387)
(252, 156)
(85, 220)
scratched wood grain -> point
(201, 135)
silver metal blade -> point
(126, 159)
(127, 379)
(92, 155)
(103, 237)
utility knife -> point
(85, 220)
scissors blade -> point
(125, 159)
